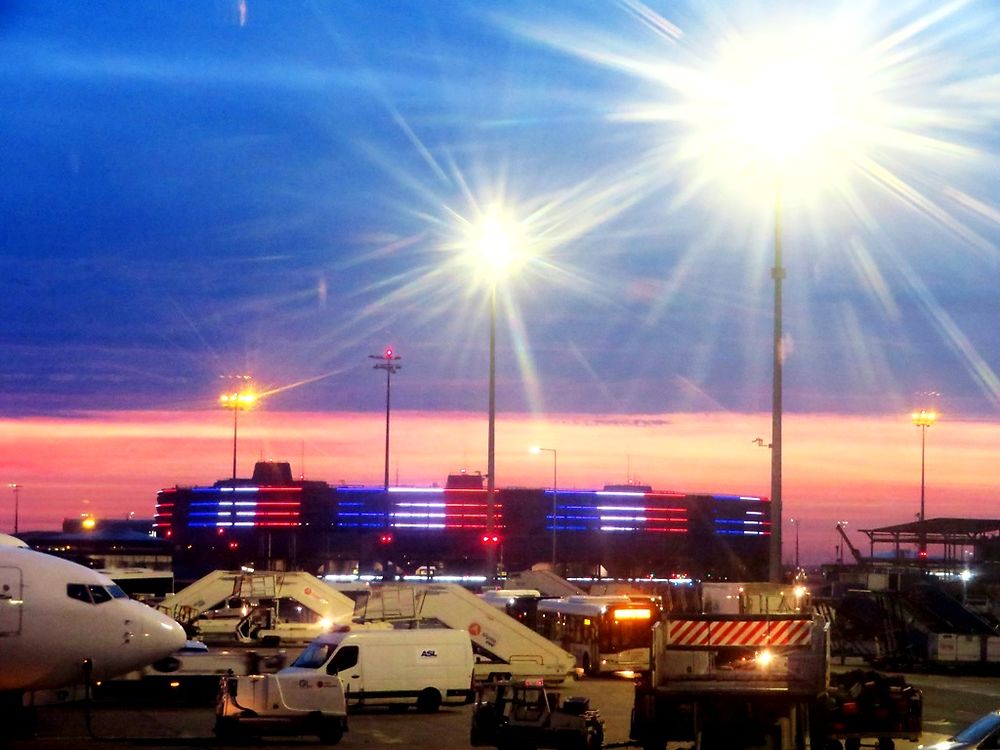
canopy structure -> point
(954, 536)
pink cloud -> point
(862, 470)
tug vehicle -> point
(528, 714)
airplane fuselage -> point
(55, 615)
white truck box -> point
(425, 667)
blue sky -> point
(195, 189)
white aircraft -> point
(55, 616)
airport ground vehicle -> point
(398, 668)
(291, 703)
(424, 668)
(525, 714)
(735, 680)
(604, 633)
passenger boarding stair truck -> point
(264, 607)
(503, 647)
(546, 582)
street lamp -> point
(772, 112)
(795, 522)
(496, 249)
(386, 362)
(923, 419)
(555, 493)
(16, 489)
(242, 397)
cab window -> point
(99, 594)
(314, 656)
(78, 591)
(117, 592)
(345, 658)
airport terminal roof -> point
(939, 528)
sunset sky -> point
(282, 189)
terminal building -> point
(272, 520)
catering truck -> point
(726, 681)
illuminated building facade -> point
(274, 521)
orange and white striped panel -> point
(739, 632)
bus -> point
(606, 634)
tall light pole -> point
(386, 362)
(779, 116)
(795, 523)
(923, 419)
(239, 398)
(555, 493)
(778, 274)
(491, 487)
(16, 489)
(496, 250)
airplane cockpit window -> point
(78, 591)
(99, 594)
(117, 593)
(94, 594)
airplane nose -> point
(158, 635)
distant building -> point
(274, 521)
(124, 549)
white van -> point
(425, 667)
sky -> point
(284, 188)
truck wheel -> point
(428, 701)
(595, 738)
(331, 732)
(225, 729)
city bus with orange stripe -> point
(606, 634)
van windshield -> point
(314, 656)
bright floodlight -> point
(781, 108)
(790, 105)
(496, 245)
(240, 400)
